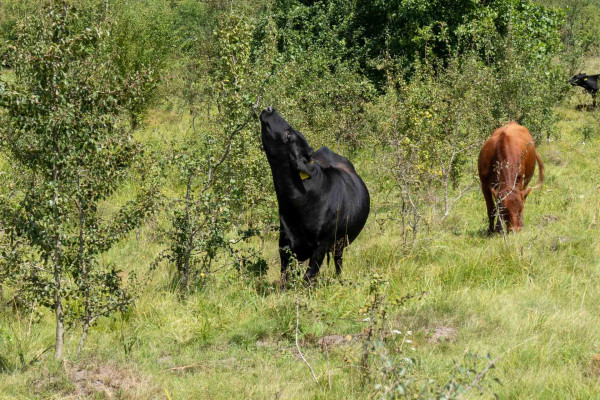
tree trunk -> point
(86, 327)
(60, 328)
(84, 276)
(134, 120)
(57, 260)
(190, 238)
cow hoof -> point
(310, 280)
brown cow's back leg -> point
(491, 207)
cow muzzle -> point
(267, 114)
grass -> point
(531, 299)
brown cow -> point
(506, 165)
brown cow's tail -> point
(540, 180)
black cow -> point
(323, 203)
(588, 82)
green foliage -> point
(200, 219)
(220, 168)
(580, 31)
(62, 126)
(142, 35)
(320, 90)
(530, 81)
(142, 39)
(429, 128)
(10, 12)
(584, 26)
(237, 82)
(370, 33)
(408, 90)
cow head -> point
(578, 79)
(284, 145)
(510, 207)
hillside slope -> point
(530, 299)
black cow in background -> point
(588, 82)
(323, 203)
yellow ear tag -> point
(585, 79)
(304, 175)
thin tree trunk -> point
(57, 260)
(134, 121)
(86, 327)
(84, 275)
(60, 328)
(188, 245)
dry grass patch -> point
(97, 379)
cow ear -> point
(304, 164)
(306, 169)
(494, 192)
(525, 193)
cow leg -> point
(338, 253)
(316, 259)
(285, 254)
(491, 207)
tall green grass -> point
(531, 299)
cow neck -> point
(288, 185)
(511, 165)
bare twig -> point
(239, 128)
(481, 375)
(298, 345)
(183, 367)
(451, 203)
(490, 365)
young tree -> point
(219, 169)
(63, 126)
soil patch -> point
(329, 341)
(109, 379)
(443, 334)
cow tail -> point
(540, 180)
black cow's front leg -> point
(316, 259)
(285, 254)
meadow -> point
(138, 215)
(529, 300)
